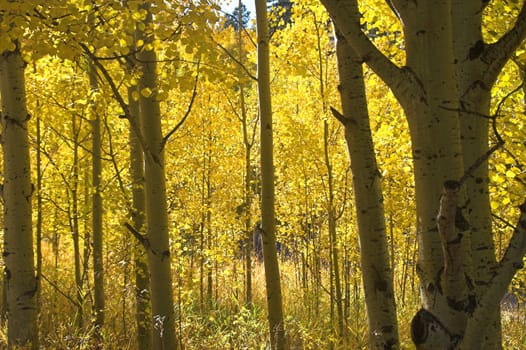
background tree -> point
(198, 90)
(268, 221)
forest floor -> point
(227, 323)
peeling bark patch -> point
(425, 325)
(458, 305)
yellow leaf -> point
(146, 92)
(494, 205)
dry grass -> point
(228, 324)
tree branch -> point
(238, 62)
(143, 240)
(61, 292)
(497, 54)
(188, 110)
(402, 81)
(136, 129)
(489, 302)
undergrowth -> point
(227, 323)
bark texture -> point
(96, 209)
(270, 256)
(20, 278)
(159, 256)
(377, 273)
(444, 89)
(142, 273)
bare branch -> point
(402, 81)
(119, 99)
(61, 292)
(188, 110)
(143, 240)
(238, 62)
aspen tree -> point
(142, 273)
(159, 256)
(376, 272)
(270, 256)
(444, 89)
(97, 210)
(18, 254)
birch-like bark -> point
(159, 256)
(445, 91)
(374, 253)
(270, 256)
(22, 330)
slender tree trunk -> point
(22, 330)
(159, 256)
(248, 142)
(96, 214)
(142, 274)
(74, 224)
(374, 253)
(39, 212)
(270, 256)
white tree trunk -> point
(446, 81)
(17, 191)
(374, 255)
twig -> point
(140, 237)
(188, 110)
(52, 284)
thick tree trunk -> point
(444, 90)
(159, 256)
(377, 274)
(475, 103)
(270, 256)
(18, 253)
(444, 258)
